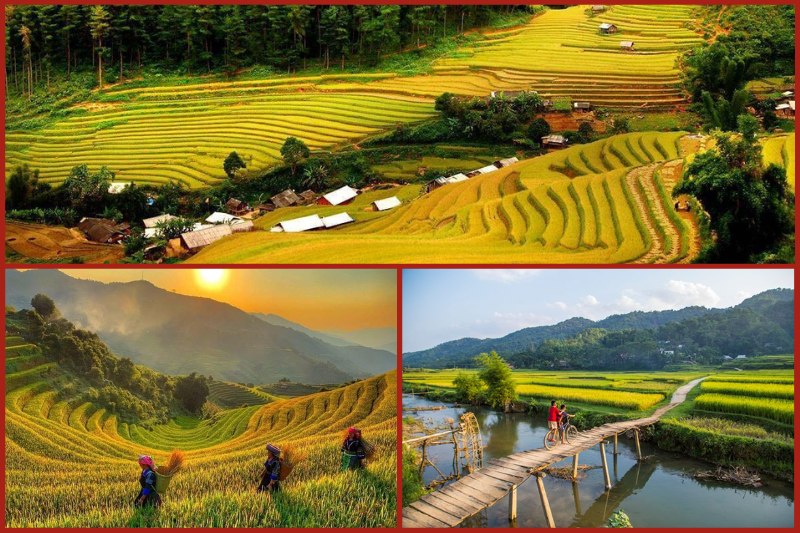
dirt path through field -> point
(638, 175)
(671, 173)
(38, 241)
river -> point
(658, 492)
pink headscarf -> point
(146, 460)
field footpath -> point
(454, 503)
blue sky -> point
(440, 305)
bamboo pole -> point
(638, 446)
(548, 514)
(575, 467)
(512, 505)
(616, 437)
(577, 495)
(605, 464)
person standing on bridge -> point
(563, 420)
(147, 497)
(271, 473)
(552, 418)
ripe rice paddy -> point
(779, 149)
(72, 464)
(603, 202)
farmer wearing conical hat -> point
(147, 497)
(353, 450)
(271, 473)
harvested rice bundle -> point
(164, 473)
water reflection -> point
(658, 492)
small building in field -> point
(607, 28)
(242, 226)
(103, 230)
(508, 161)
(510, 94)
(336, 220)
(285, 198)
(554, 141)
(342, 195)
(152, 222)
(386, 203)
(219, 217)
(194, 240)
(307, 197)
(547, 104)
(117, 187)
(599, 9)
(296, 225)
(785, 110)
(626, 45)
(438, 182)
(581, 106)
(728, 358)
(742, 356)
(236, 207)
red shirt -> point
(552, 416)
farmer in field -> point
(353, 450)
(147, 497)
(552, 417)
(563, 421)
(271, 473)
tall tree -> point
(100, 26)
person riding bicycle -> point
(552, 417)
(563, 420)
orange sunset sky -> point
(321, 299)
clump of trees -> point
(135, 393)
(497, 118)
(751, 209)
(492, 385)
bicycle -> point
(553, 437)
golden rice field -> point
(634, 391)
(561, 53)
(604, 202)
(779, 149)
(183, 132)
(72, 464)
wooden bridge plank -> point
(420, 520)
(463, 506)
(502, 476)
(510, 467)
(464, 492)
(492, 489)
(434, 512)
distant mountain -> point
(775, 307)
(178, 334)
(378, 338)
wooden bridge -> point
(471, 494)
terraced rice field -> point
(631, 391)
(779, 149)
(72, 464)
(751, 394)
(561, 53)
(184, 133)
(603, 202)
(225, 394)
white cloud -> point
(559, 305)
(505, 275)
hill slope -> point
(178, 334)
(50, 429)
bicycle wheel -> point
(572, 434)
(551, 439)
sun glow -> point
(211, 278)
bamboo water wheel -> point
(471, 445)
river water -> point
(658, 492)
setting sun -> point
(211, 278)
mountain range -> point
(179, 334)
(775, 306)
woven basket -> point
(162, 481)
(286, 468)
(369, 449)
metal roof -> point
(296, 225)
(204, 237)
(507, 161)
(221, 218)
(117, 186)
(242, 226)
(626, 44)
(152, 222)
(486, 169)
(386, 203)
(337, 220)
(559, 139)
(606, 26)
(341, 195)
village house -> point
(342, 195)
(598, 9)
(103, 230)
(785, 110)
(219, 217)
(307, 197)
(285, 198)
(152, 222)
(336, 220)
(581, 106)
(607, 28)
(236, 207)
(554, 141)
(386, 203)
(502, 163)
(626, 45)
(195, 240)
(438, 182)
(117, 187)
(296, 225)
